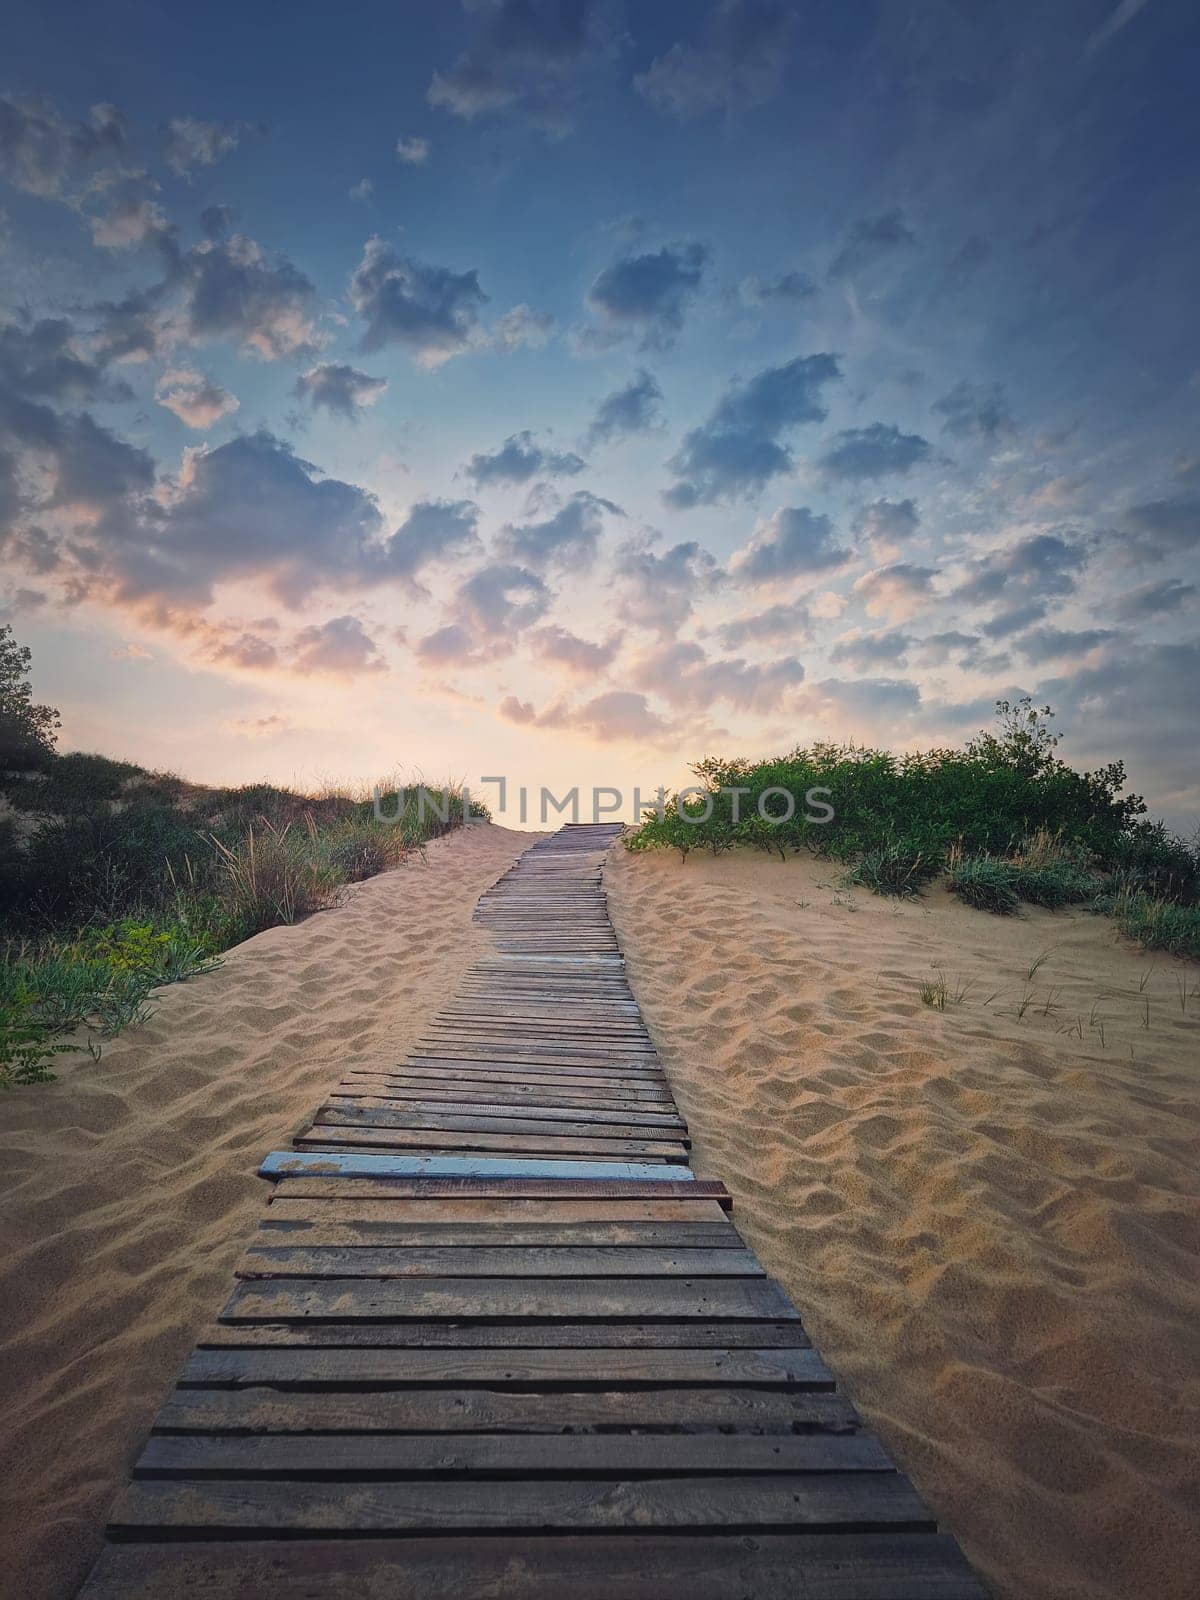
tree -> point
(27, 731)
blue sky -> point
(575, 389)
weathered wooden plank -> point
(664, 1186)
(296, 1163)
(460, 1214)
(327, 1135)
(497, 1261)
(504, 1369)
(638, 1299)
(528, 1334)
(705, 1410)
(866, 1501)
(505, 1455)
(503, 1119)
(499, 1234)
(764, 1566)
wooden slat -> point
(381, 1164)
(500, 1234)
(326, 1135)
(526, 1334)
(491, 1213)
(496, 1261)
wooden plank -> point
(765, 1566)
(638, 1299)
(295, 1163)
(498, 1261)
(485, 1118)
(334, 1135)
(498, 1234)
(505, 1455)
(866, 1501)
(357, 1185)
(443, 1410)
(505, 1369)
(515, 1214)
(524, 1335)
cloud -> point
(133, 217)
(658, 591)
(1033, 569)
(877, 451)
(619, 715)
(789, 620)
(1049, 644)
(888, 525)
(196, 400)
(188, 144)
(635, 408)
(648, 294)
(566, 649)
(501, 599)
(521, 328)
(233, 290)
(939, 648)
(738, 62)
(412, 151)
(522, 712)
(341, 647)
(432, 312)
(432, 530)
(738, 448)
(40, 152)
(899, 590)
(975, 411)
(519, 459)
(1163, 528)
(364, 189)
(792, 543)
(866, 651)
(686, 678)
(131, 329)
(45, 360)
(869, 241)
(1155, 599)
(1005, 623)
(786, 288)
(857, 706)
(270, 726)
(569, 536)
(66, 463)
(521, 57)
(1117, 19)
(340, 389)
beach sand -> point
(990, 1224)
(129, 1186)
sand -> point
(129, 1187)
(990, 1224)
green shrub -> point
(275, 874)
(899, 868)
(1157, 924)
(986, 884)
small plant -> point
(26, 1047)
(937, 993)
(899, 868)
(986, 884)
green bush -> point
(1156, 924)
(899, 868)
(986, 884)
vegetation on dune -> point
(1004, 819)
(115, 881)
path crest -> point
(494, 1338)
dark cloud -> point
(502, 598)
(570, 535)
(52, 461)
(787, 288)
(217, 221)
(877, 451)
(432, 312)
(188, 143)
(648, 294)
(566, 649)
(789, 620)
(859, 705)
(686, 678)
(522, 56)
(869, 241)
(432, 531)
(866, 651)
(738, 449)
(340, 389)
(975, 411)
(888, 524)
(738, 62)
(232, 289)
(632, 409)
(1162, 528)
(1049, 644)
(45, 361)
(341, 647)
(794, 542)
(1033, 569)
(658, 591)
(131, 329)
(1155, 599)
(40, 152)
(519, 459)
(939, 648)
(1005, 623)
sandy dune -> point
(991, 1224)
(129, 1185)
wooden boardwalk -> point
(494, 1339)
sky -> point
(568, 390)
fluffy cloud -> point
(635, 408)
(869, 241)
(658, 591)
(569, 536)
(686, 678)
(648, 294)
(1055, 644)
(188, 144)
(867, 651)
(738, 62)
(432, 531)
(1163, 528)
(975, 411)
(519, 459)
(522, 56)
(341, 647)
(412, 151)
(789, 620)
(619, 715)
(233, 290)
(877, 451)
(888, 524)
(794, 542)
(738, 448)
(131, 216)
(430, 311)
(565, 649)
(786, 288)
(196, 400)
(521, 328)
(502, 598)
(339, 388)
(45, 360)
(40, 152)
(900, 590)
(1011, 620)
(1155, 599)
(1043, 565)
